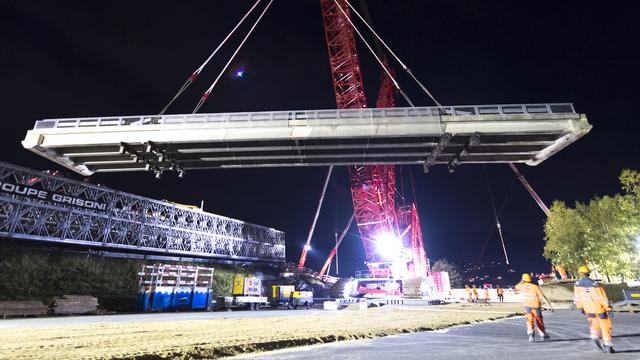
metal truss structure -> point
(343, 56)
(44, 207)
(409, 222)
(373, 194)
(373, 186)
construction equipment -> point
(289, 297)
(371, 141)
(373, 287)
(175, 287)
(391, 237)
(247, 294)
(529, 188)
(373, 186)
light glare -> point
(388, 245)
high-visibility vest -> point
(590, 297)
(531, 294)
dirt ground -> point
(224, 337)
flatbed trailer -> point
(241, 302)
(247, 294)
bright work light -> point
(388, 245)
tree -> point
(455, 278)
(602, 233)
(611, 233)
(630, 181)
(565, 235)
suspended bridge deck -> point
(520, 133)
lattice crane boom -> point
(373, 187)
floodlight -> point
(388, 245)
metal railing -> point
(111, 121)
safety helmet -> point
(526, 277)
(584, 269)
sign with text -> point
(59, 199)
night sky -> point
(94, 58)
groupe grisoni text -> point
(53, 197)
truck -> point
(289, 297)
(247, 294)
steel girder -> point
(37, 206)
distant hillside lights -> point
(47, 196)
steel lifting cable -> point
(404, 67)
(495, 212)
(413, 187)
(486, 242)
(206, 94)
(395, 83)
(197, 72)
(307, 244)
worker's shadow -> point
(615, 337)
(626, 336)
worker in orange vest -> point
(532, 295)
(500, 293)
(468, 290)
(474, 291)
(561, 271)
(591, 299)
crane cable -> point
(404, 67)
(496, 214)
(197, 72)
(395, 83)
(307, 244)
(206, 94)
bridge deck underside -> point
(429, 140)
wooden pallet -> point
(75, 304)
(22, 308)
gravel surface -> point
(213, 335)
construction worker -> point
(474, 292)
(553, 274)
(486, 294)
(563, 273)
(500, 293)
(468, 290)
(532, 295)
(591, 299)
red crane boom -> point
(373, 187)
